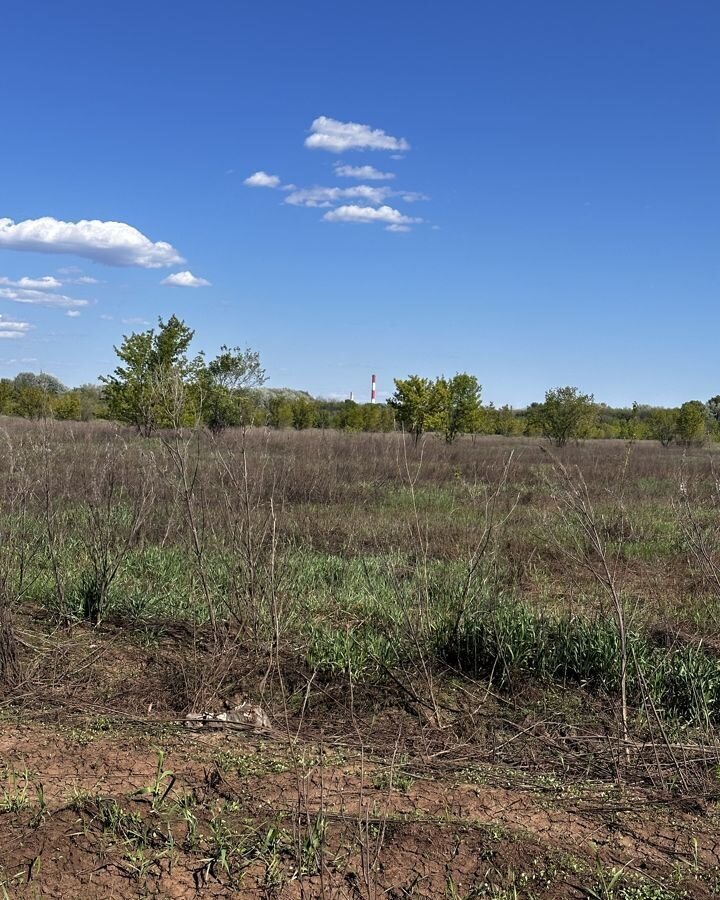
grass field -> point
(491, 668)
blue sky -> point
(555, 199)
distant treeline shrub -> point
(39, 396)
(33, 396)
(158, 385)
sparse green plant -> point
(270, 850)
(395, 777)
(251, 764)
(15, 794)
(312, 846)
(222, 845)
(161, 785)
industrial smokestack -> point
(373, 390)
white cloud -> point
(39, 298)
(136, 320)
(112, 243)
(10, 330)
(73, 313)
(262, 179)
(185, 279)
(393, 218)
(329, 196)
(329, 134)
(362, 173)
(46, 283)
(363, 203)
(77, 276)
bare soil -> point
(104, 793)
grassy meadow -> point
(494, 604)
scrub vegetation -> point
(491, 665)
(242, 658)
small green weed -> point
(250, 764)
(15, 795)
(161, 784)
(395, 777)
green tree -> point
(67, 406)
(375, 417)
(31, 403)
(7, 396)
(144, 390)
(629, 425)
(350, 416)
(713, 407)
(279, 412)
(566, 414)
(690, 424)
(48, 384)
(92, 405)
(457, 405)
(303, 413)
(662, 425)
(224, 384)
(712, 410)
(505, 422)
(415, 404)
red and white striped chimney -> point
(373, 390)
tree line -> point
(158, 384)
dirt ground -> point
(105, 794)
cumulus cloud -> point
(262, 179)
(185, 279)
(39, 298)
(365, 202)
(46, 283)
(112, 243)
(10, 330)
(73, 313)
(37, 292)
(362, 173)
(330, 196)
(392, 218)
(337, 137)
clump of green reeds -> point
(511, 642)
(362, 653)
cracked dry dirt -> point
(350, 794)
(87, 813)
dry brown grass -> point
(317, 572)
